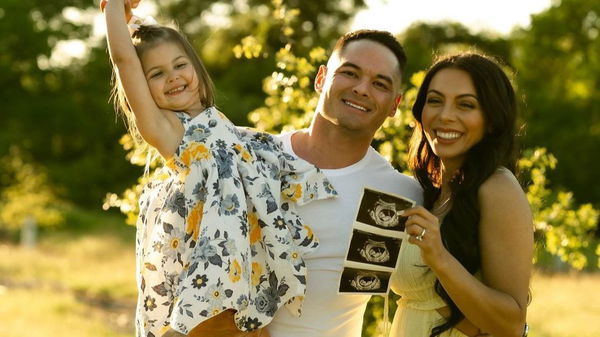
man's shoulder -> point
(380, 163)
(286, 140)
(384, 176)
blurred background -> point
(69, 176)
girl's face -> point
(452, 118)
(171, 77)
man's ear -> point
(320, 78)
(397, 101)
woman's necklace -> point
(442, 206)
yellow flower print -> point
(195, 151)
(309, 232)
(175, 242)
(171, 164)
(293, 193)
(246, 156)
(255, 231)
(183, 174)
(186, 156)
(256, 273)
(235, 271)
(194, 219)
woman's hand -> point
(423, 229)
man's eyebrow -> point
(380, 76)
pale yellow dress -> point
(414, 281)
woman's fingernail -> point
(400, 212)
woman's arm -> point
(156, 127)
(498, 303)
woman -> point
(466, 269)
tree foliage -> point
(558, 58)
(26, 193)
(56, 108)
(562, 228)
(58, 111)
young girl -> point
(219, 230)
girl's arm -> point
(498, 303)
(159, 128)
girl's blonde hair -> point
(147, 37)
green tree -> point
(266, 26)
(562, 228)
(558, 59)
(26, 194)
(424, 40)
(56, 109)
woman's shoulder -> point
(501, 188)
(501, 179)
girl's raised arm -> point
(156, 127)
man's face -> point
(359, 87)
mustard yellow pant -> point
(222, 326)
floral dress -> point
(218, 229)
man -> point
(359, 88)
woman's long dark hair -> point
(460, 227)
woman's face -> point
(452, 118)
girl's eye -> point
(180, 65)
(349, 73)
(156, 75)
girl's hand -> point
(129, 4)
(423, 229)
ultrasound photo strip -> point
(377, 234)
(383, 210)
(364, 281)
(372, 249)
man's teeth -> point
(176, 90)
(448, 135)
(356, 106)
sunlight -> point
(498, 16)
(64, 53)
(144, 9)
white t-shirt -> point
(325, 313)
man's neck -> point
(329, 148)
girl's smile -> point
(172, 79)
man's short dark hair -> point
(380, 36)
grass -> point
(80, 281)
(565, 305)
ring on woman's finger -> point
(420, 236)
